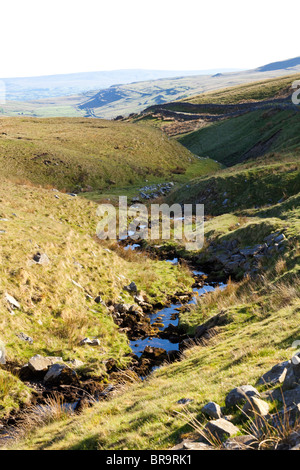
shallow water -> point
(167, 318)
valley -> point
(159, 347)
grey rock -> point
(217, 320)
(39, 363)
(245, 442)
(220, 429)
(184, 401)
(91, 342)
(288, 397)
(279, 238)
(132, 288)
(213, 410)
(54, 372)
(291, 378)
(256, 407)
(76, 363)
(286, 418)
(276, 375)
(239, 395)
(24, 337)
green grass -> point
(230, 141)
(88, 153)
(258, 336)
(54, 311)
(256, 91)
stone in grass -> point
(91, 342)
(239, 395)
(41, 258)
(213, 410)
(132, 288)
(256, 407)
(185, 401)
(221, 429)
(24, 337)
(12, 301)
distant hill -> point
(32, 88)
(127, 98)
(284, 64)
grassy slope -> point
(260, 334)
(70, 153)
(228, 141)
(256, 91)
(55, 312)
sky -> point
(43, 37)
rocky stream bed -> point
(154, 339)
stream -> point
(169, 315)
(165, 317)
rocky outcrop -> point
(233, 259)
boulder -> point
(220, 429)
(240, 394)
(213, 410)
(184, 401)
(60, 374)
(256, 407)
(286, 418)
(91, 342)
(39, 363)
(288, 397)
(157, 355)
(276, 375)
(217, 320)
